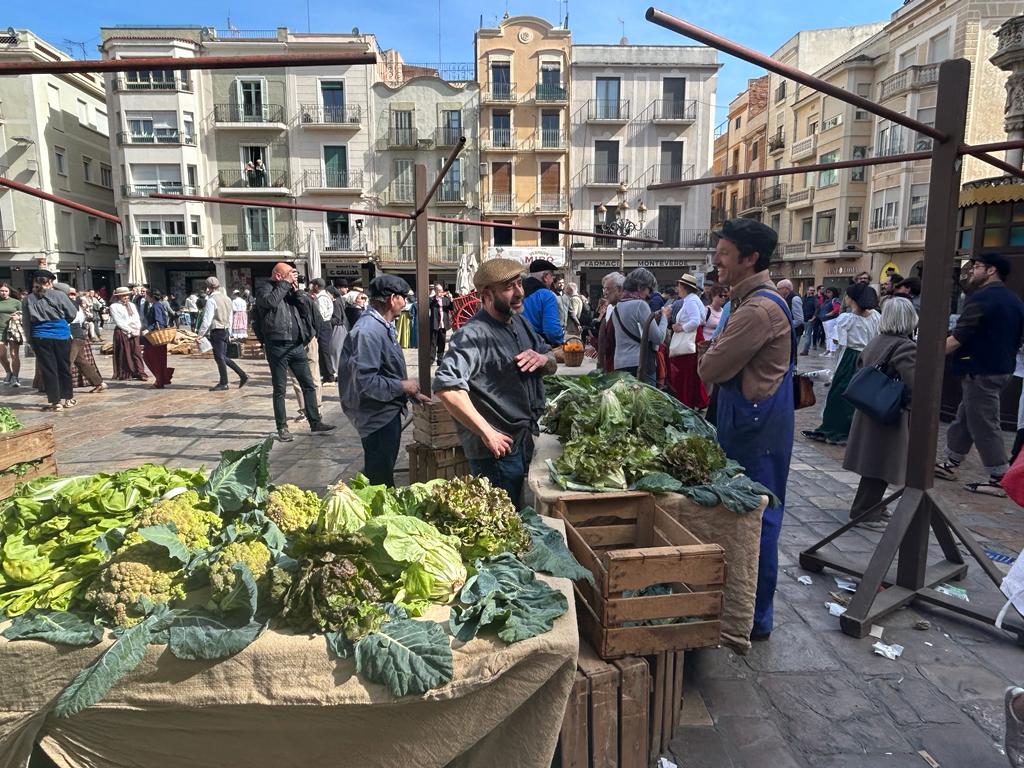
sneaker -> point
(321, 427)
(70, 403)
(15, 381)
(53, 407)
(219, 388)
(8, 377)
(947, 470)
(300, 417)
(284, 436)
(1014, 740)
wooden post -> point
(424, 347)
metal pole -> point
(149, 63)
(772, 65)
(425, 347)
(58, 200)
(525, 228)
(995, 162)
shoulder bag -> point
(878, 392)
(683, 343)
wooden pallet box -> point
(427, 463)
(23, 445)
(629, 544)
(433, 425)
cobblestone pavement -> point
(809, 697)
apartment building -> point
(641, 115)
(418, 118)
(53, 136)
(281, 134)
(522, 67)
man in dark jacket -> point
(285, 320)
(440, 320)
(984, 348)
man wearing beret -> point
(373, 383)
(751, 361)
(540, 305)
(491, 380)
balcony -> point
(800, 199)
(447, 137)
(170, 138)
(597, 175)
(342, 243)
(245, 242)
(796, 251)
(159, 187)
(608, 110)
(551, 93)
(169, 241)
(918, 217)
(498, 140)
(675, 110)
(269, 116)
(699, 239)
(499, 202)
(450, 194)
(750, 203)
(401, 138)
(804, 148)
(8, 238)
(172, 84)
(446, 254)
(344, 117)
(261, 182)
(550, 202)
(316, 181)
(776, 143)
(909, 79)
(774, 195)
(400, 193)
(392, 254)
(673, 172)
(498, 93)
(550, 140)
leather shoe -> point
(759, 637)
(284, 436)
(321, 427)
(219, 388)
(242, 381)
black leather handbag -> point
(878, 392)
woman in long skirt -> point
(155, 355)
(682, 369)
(239, 317)
(852, 332)
(128, 363)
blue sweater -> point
(989, 331)
(540, 310)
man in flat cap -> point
(540, 305)
(491, 380)
(373, 383)
(751, 361)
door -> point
(670, 218)
(333, 96)
(550, 87)
(255, 161)
(257, 229)
(337, 231)
(501, 128)
(608, 98)
(551, 128)
(451, 187)
(451, 122)
(550, 186)
(501, 80)
(671, 161)
(402, 134)
(403, 185)
(501, 186)
(673, 96)
(606, 162)
(251, 100)
(335, 166)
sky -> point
(413, 26)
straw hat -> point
(689, 281)
(122, 291)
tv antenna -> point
(72, 45)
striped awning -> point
(991, 193)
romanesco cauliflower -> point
(292, 508)
(134, 572)
(254, 554)
(192, 518)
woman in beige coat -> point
(878, 452)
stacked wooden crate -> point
(435, 452)
(29, 444)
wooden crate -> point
(607, 720)
(252, 349)
(629, 544)
(433, 425)
(426, 463)
(666, 670)
(27, 444)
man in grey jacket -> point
(373, 383)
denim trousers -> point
(508, 472)
(380, 452)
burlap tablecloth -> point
(285, 702)
(738, 535)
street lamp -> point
(622, 225)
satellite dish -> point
(355, 30)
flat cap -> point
(997, 260)
(317, 281)
(495, 271)
(383, 286)
(541, 265)
(44, 274)
(752, 234)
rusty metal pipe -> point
(995, 162)
(17, 185)
(524, 228)
(149, 63)
(792, 73)
(995, 146)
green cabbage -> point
(425, 561)
(342, 511)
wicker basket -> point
(573, 357)
(161, 336)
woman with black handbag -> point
(877, 451)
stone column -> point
(1009, 57)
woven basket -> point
(161, 336)
(573, 358)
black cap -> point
(1000, 262)
(44, 274)
(388, 285)
(863, 294)
(541, 265)
(752, 234)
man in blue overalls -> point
(751, 361)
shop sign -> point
(590, 263)
(347, 269)
(527, 254)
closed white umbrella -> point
(314, 257)
(136, 269)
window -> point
(501, 81)
(863, 89)
(550, 87)
(193, 176)
(776, 222)
(188, 126)
(101, 124)
(812, 126)
(111, 232)
(907, 59)
(337, 231)
(608, 105)
(600, 219)
(66, 231)
(859, 153)
(549, 238)
(670, 219)
(671, 161)
(336, 166)
(805, 228)
(738, 122)
(195, 231)
(938, 48)
(451, 239)
(403, 184)
(87, 168)
(156, 178)
(925, 115)
(918, 205)
(83, 113)
(94, 227)
(753, 151)
(830, 177)
(885, 208)
(258, 229)
(501, 128)
(853, 225)
(1003, 226)
(451, 126)
(551, 128)
(56, 113)
(825, 232)
(500, 235)
(606, 162)
(402, 132)
(890, 140)
(250, 101)
(673, 95)
(450, 190)
(106, 176)
(332, 94)
(60, 160)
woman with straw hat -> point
(127, 332)
(682, 366)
